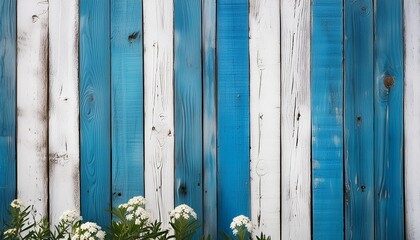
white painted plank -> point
(295, 120)
(158, 107)
(63, 107)
(412, 117)
(264, 52)
(32, 116)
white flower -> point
(239, 223)
(88, 231)
(70, 216)
(17, 203)
(123, 206)
(129, 217)
(182, 211)
(137, 201)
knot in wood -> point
(389, 81)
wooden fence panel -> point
(63, 133)
(327, 120)
(412, 118)
(295, 120)
(32, 104)
(264, 54)
(159, 107)
(358, 118)
(233, 111)
(388, 102)
(95, 107)
(7, 105)
(127, 100)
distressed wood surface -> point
(63, 133)
(188, 106)
(295, 120)
(127, 100)
(412, 118)
(327, 120)
(358, 129)
(7, 106)
(32, 104)
(233, 111)
(209, 117)
(95, 122)
(388, 90)
(264, 57)
(159, 107)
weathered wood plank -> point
(95, 122)
(233, 111)
(63, 133)
(358, 118)
(188, 105)
(264, 57)
(7, 106)
(388, 92)
(295, 120)
(209, 117)
(127, 100)
(32, 104)
(327, 120)
(412, 118)
(159, 107)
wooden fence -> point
(303, 115)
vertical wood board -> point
(327, 120)
(159, 107)
(388, 100)
(264, 57)
(233, 111)
(32, 104)
(7, 106)
(127, 100)
(209, 117)
(95, 107)
(295, 120)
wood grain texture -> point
(388, 90)
(7, 106)
(233, 111)
(358, 118)
(327, 120)
(264, 57)
(209, 117)
(127, 100)
(159, 107)
(95, 122)
(295, 120)
(32, 104)
(63, 135)
(188, 106)
(412, 118)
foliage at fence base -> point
(131, 222)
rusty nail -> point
(389, 81)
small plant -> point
(184, 222)
(241, 227)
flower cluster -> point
(89, 231)
(239, 223)
(70, 216)
(17, 203)
(135, 210)
(182, 211)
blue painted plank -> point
(358, 118)
(127, 100)
(232, 111)
(188, 105)
(388, 77)
(7, 106)
(327, 120)
(95, 122)
(209, 118)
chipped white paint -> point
(412, 118)
(295, 120)
(63, 107)
(264, 52)
(32, 95)
(158, 107)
